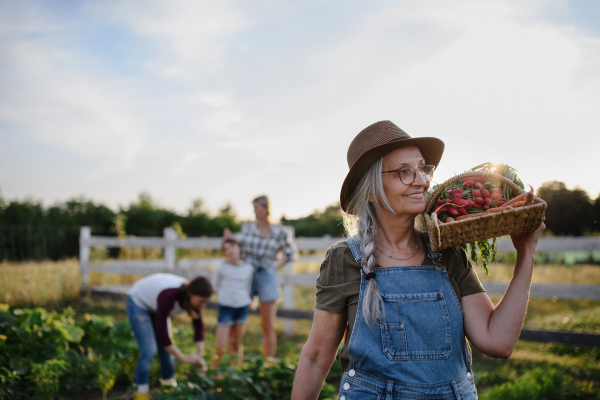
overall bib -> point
(418, 349)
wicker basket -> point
(522, 219)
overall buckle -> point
(437, 260)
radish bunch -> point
(472, 195)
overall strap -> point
(435, 256)
(354, 244)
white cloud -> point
(49, 99)
(190, 36)
(227, 104)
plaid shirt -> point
(262, 252)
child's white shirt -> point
(233, 283)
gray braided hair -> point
(367, 200)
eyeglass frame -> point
(420, 169)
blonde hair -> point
(364, 224)
(263, 201)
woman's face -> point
(405, 199)
(260, 211)
(197, 301)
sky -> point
(228, 100)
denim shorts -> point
(265, 284)
(231, 316)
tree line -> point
(30, 231)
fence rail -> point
(533, 335)
(170, 242)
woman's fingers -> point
(524, 239)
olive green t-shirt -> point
(338, 285)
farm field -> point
(535, 370)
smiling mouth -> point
(414, 195)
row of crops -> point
(48, 355)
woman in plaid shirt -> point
(261, 242)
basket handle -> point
(492, 175)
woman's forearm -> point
(309, 377)
(175, 352)
(282, 263)
(200, 348)
(507, 319)
(495, 330)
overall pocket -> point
(415, 326)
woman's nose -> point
(420, 179)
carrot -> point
(495, 210)
(529, 197)
(514, 200)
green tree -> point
(319, 223)
(146, 218)
(569, 212)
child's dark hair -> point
(230, 240)
(200, 286)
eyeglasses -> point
(407, 175)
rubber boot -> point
(168, 384)
(141, 396)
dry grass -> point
(582, 274)
(37, 283)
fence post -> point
(85, 233)
(170, 236)
(289, 301)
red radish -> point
(469, 203)
(477, 193)
(439, 202)
(449, 219)
(479, 200)
(487, 200)
(468, 183)
(457, 195)
(459, 202)
(496, 190)
(477, 206)
(479, 186)
(441, 210)
(500, 202)
(462, 211)
(487, 206)
(485, 193)
(447, 201)
(495, 196)
(452, 211)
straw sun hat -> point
(374, 142)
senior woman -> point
(405, 310)
(261, 243)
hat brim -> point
(431, 149)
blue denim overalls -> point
(418, 349)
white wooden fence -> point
(194, 267)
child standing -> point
(233, 281)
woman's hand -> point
(192, 359)
(202, 365)
(527, 241)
